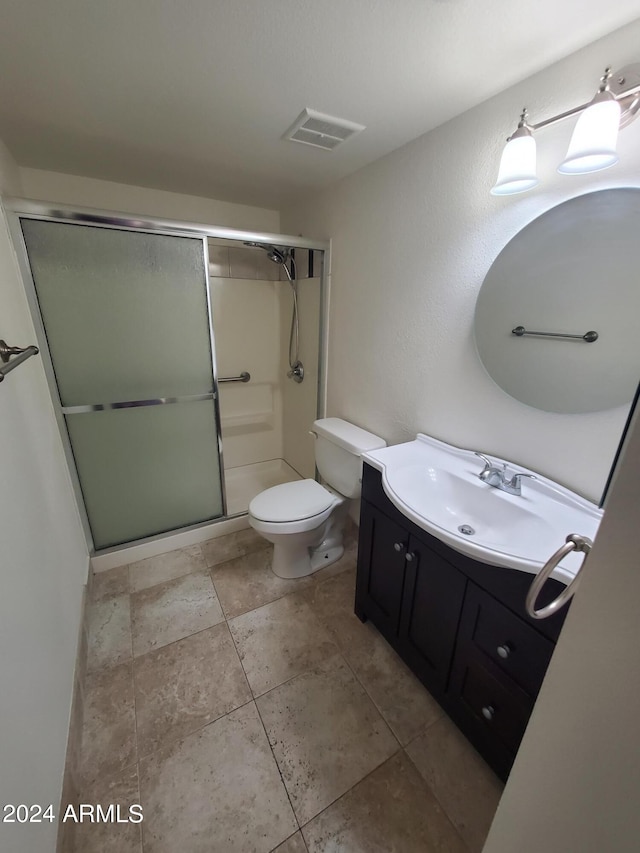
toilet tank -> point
(339, 446)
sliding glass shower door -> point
(126, 316)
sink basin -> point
(437, 486)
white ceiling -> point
(194, 95)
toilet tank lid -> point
(347, 435)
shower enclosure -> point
(132, 317)
(266, 310)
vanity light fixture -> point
(517, 171)
(593, 143)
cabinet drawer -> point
(501, 712)
(514, 647)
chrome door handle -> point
(574, 542)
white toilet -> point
(305, 520)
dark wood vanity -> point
(460, 625)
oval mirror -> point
(569, 272)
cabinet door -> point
(381, 565)
(432, 603)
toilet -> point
(305, 520)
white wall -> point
(413, 237)
(44, 564)
(575, 782)
(107, 195)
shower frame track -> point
(17, 209)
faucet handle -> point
(516, 479)
(487, 462)
(488, 465)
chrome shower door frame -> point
(18, 209)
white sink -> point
(437, 486)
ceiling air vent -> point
(321, 131)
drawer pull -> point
(488, 711)
(399, 546)
(410, 557)
(504, 651)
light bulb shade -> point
(593, 144)
(517, 172)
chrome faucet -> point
(497, 477)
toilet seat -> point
(304, 521)
(292, 507)
(291, 502)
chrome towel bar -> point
(244, 377)
(588, 337)
(13, 356)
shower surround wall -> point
(246, 321)
(300, 400)
(266, 421)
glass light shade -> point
(593, 144)
(517, 171)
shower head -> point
(278, 256)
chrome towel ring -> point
(574, 542)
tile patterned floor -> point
(251, 714)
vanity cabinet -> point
(411, 594)
(460, 625)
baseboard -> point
(72, 772)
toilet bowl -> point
(305, 520)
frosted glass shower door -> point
(127, 324)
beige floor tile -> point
(332, 601)
(233, 545)
(391, 811)
(217, 790)
(165, 567)
(248, 582)
(326, 735)
(112, 837)
(109, 629)
(278, 641)
(465, 786)
(109, 727)
(186, 685)
(346, 562)
(173, 610)
(295, 844)
(403, 701)
(110, 583)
